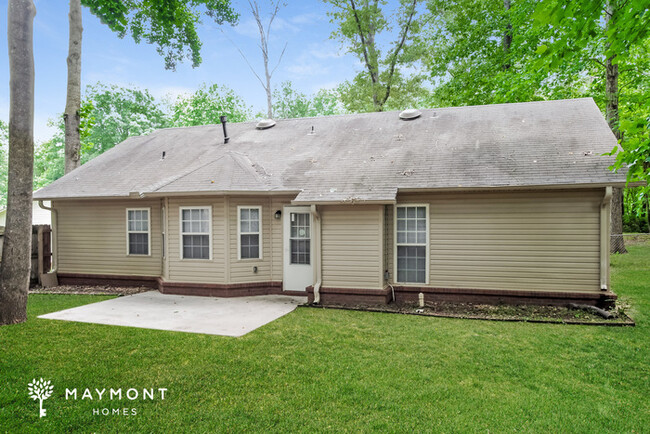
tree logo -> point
(40, 390)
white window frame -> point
(181, 233)
(148, 232)
(427, 246)
(240, 233)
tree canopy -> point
(359, 25)
(290, 103)
(170, 25)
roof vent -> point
(265, 124)
(410, 114)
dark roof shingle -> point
(361, 157)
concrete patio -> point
(210, 315)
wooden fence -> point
(41, 251)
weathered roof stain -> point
(361, 157)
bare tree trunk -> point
(507, 36)
(71, 116)
(264, 47)
(16, 254)
(617, 244)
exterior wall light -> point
(278, 214)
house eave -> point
(519, 187)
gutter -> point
(55, 234)
(317, 238)
(605, 223)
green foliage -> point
(169, 25)
(359, 26)
(575, 23)
(4, 160)
(49, 157)
(406, 92)
(115, 113)
(289, 103)
(205, 106)
(466, 57)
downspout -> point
(55, 234)
(605, 238)
(317, 249)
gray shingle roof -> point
(361, 157)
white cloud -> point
(325, 50)
(308, 18)
(250, 29)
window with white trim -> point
(137, 231)
(250, 232)
(195, 233)
(411, 242)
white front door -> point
(298, 257)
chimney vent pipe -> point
(223, 120)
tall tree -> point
(264, 30)
(617, 242)
(71, 116)
(359, 24)
(16, 254)
(169, 25)
(4, 146)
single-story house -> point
(496, 203)
(40, 216)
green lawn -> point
(333, 370)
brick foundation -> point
(201, 289)
(350, 296)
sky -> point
(312, 60)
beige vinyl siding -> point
(352, 246)
(277, 240)
(388, 238)
(535, 240)
(225, 267)
(241, 270)
(197, 270)
(91, 238)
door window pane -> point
(300, 237)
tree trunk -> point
(617, 243)
(16, 254)
(269, 100)
(507, 36)
(71, 116)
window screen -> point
(195, 229)
(411, 244)
(138, 231)
(300, 237)
(249, 233)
